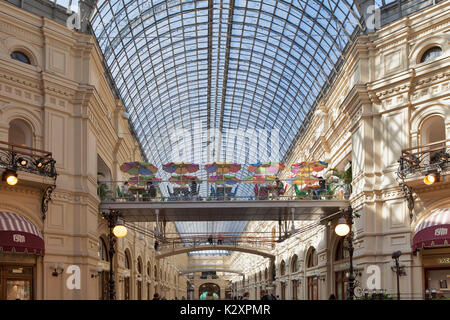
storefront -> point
(21, 249)
(432, 238)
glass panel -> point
(18, 290)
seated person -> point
(194, 191)
(126, 191)
(150, 191)
(322, 188)
(279, 187)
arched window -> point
(149, 268)
(312, 259)
(20, 133)
(139, 265)
(340, 253)
(294, 263)
(103, 250)
(20, 56)
(282, 268)
(431, 54)
(266, 274)
(432, 131)
(127, 260)
(155, 272)
(260, 275)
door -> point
(313, 288)
(16, 282)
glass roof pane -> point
(221, 65)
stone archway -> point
(208, 287)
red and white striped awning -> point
(18, 234)
(433, 231)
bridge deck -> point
(263, 210)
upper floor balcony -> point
(428, 163)
(26, 166)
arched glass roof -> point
(220, 65)
(204, 80)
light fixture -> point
(120, 230)
(58, 268)
(342, 228)
(22, 161)
(10, 176)
(430, 178)
(39, 163)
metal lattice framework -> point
(221, 65)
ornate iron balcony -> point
(22, 158)
(424, 158)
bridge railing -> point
(164, 191)
(214, 240)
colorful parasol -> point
(224, 179)
(184, 179)
(142, 180)
(266, 167)
(309, 166)
(302, 178)
(260, 179)
(138, 168)
(180, 167)
(222, 167)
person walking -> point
(219, 239)
(265, 296)
(246, 296)
(156, 296)
(210, 239)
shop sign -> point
(19, 238)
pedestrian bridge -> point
(206, 269)
(171, 249)
(256, 210)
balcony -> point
(29, 164)
(418, 163)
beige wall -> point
(373, 111)
(65, 99)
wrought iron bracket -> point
(46, 198)
(408, 194)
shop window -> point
(312, 259)
(20, 56)
(431, 54)
(20, 133)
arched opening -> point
(313, 281)
(282, 268)
(295, 285)
(20, 133)
(206, 288)
(340, 276)
(431, 54)
(103, 284)
(126, 280)
(104, 189)
(20, 56)
(139, 279)
(433, 131)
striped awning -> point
(19, 235)
(433, 231)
